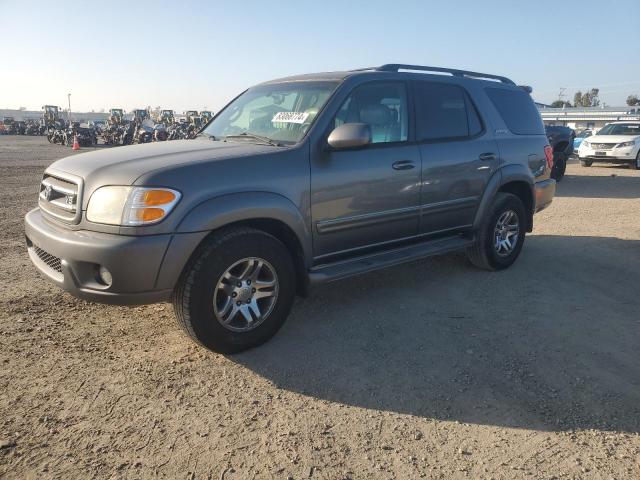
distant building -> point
(587, 117)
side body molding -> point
(223, 210)
(504, 175)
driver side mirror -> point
(350, 135)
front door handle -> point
(403, 165)
(487, 157)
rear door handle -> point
(487, 157)
(403, 165)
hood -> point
(123, 165)
(611, 138)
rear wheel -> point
(559, 166)
(236, 291)
(501, 236)
(586, 163)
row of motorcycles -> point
(120, 131)
(22, 127)
(142, 129)
(64, 134)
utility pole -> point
(561, 95)
(69, 111)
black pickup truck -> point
(561, 140)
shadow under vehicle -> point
(540, 365)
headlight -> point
(585, 143)
(131, 206)
(626, 144)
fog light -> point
(105, 276)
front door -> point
(368, 196)
(458, 156)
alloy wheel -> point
(245, 294)
(506, 233)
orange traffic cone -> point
(76, 145)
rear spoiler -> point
(526, 88)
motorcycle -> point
(86, 136)
(160, 133)
(56, 135)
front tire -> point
(501, 235)
(586, 163)
(236, 291)
(635, 165)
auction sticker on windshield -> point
(290, 117)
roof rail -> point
(394, 67)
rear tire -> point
(486, 253)
(196, 297)
(559, 166)
(586, 163)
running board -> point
(369, 263)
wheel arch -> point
(523, 191)
(514, 179)
(264, 211)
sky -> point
(195, 54)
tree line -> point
(591, 98)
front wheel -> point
(501, 236)
(635, 165)
(586, 163)
(236, 291)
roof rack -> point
(394, 67)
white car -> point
(617, 142)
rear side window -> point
(444, 111)
(517, 110)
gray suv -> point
(297, 181)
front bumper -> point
(545, 191)
(144, 269)
(614, 155)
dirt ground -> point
(432, 369)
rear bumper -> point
(144, 268)
(545, 191)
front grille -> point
(59, 197)
(603, 146)
(52, 261)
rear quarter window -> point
(517, 110)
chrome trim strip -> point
(76, 213)
(368, 219)
(58, 188)
(448, 205)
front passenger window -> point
(382, 106)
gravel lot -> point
(432, 369)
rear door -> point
(458, 156)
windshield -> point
(280, 112)
(620, 129)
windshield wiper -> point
(266, 140)
(211, 137)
